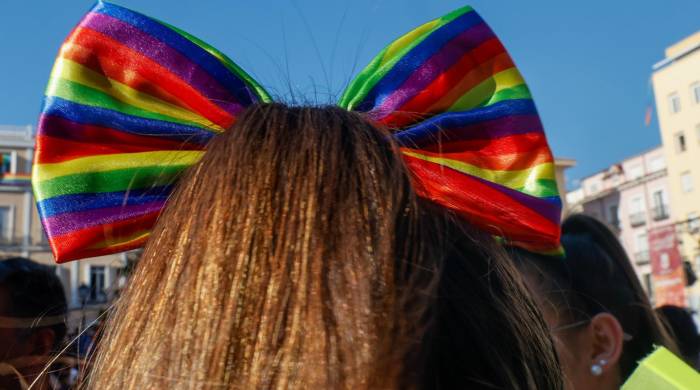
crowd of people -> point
(407, 238)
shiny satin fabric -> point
(132, 102)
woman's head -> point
(601, 320)
(295, 254)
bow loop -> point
(469, 130)
(130, 104)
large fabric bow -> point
(132, 102)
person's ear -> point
(607, 338)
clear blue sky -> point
(587, 62)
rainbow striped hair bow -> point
(132, 102)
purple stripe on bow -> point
(486, 130)
(70, 222)
(436, 65)
(164, 55)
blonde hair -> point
(296, 255)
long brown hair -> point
(296, 255)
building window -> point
(695, 92)
(636, 211)
(679, 141)
(8, 162)
(634, 172)
(641, 244)
(686, 182)
(43, 238)
(5, 223)
(613, 218)
(657, 164)
(674, 102)
(660, 205)
(97, 283)
(694, 222)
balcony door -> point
(660, 204)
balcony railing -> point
(638, 219)
(641, 257)
(660, 212)
(10, 241)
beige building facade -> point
(632, 198)
(21, 233)
(676, 81)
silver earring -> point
(597, 369)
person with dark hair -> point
(600, 317)
(32, 320)
(679, 322)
